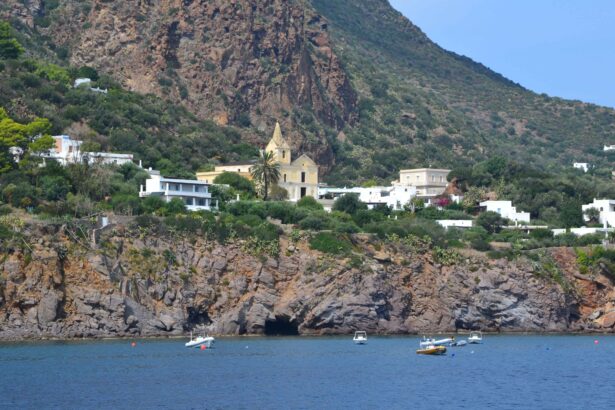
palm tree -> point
(266, 171)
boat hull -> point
(432, 350)
(207, 342)
(360, 341)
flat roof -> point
(425, 169)
(183, 181)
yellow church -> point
(299, 177)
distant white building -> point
(68, 151)
(395, 197)
(609, 148)
(506, 210)
(108, 158)
(81, 81)
(195, 194)
(581, 165)
(455, 223)
(606, 207)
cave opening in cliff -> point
(281, 326)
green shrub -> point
(349, 203)
(315, 222)
(330, 243)
(309, 202)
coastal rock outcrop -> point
(133, 284)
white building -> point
(68, 151)
(581, 165)
(506, 210)
(195, 194)
(81, 81)
(455, 223)
(429, 182)
(606, 207)
(609, 148)
(395, 197)
(108, 158)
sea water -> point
(505, 372)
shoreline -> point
(304, 336)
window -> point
(283, 154)
(238, 170)
(441, 178)
(284, 177)
(303, 177)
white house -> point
(581, 165)
(65, 150)
(609, 148)
(506, 210)
(109, 158)
(195, 194)
(455, 223)
(395, 197)
(606, 207)
(68, 151)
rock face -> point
(223, 59)
(131, 286)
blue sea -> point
(505, 372)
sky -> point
(564, 48)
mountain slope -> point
(353, 82)
(442, 108)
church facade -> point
(297, 176)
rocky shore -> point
(130, 283)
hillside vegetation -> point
(353, 82)
(422, 105)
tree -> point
(266, 171)
(236, 181)
(29, 137)
(415, 204)
(592, 215)
(570, 214)
(9, 46)
(278, 193)
(491, 221)
(349, 203)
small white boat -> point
(206, 341)
(475, 338)
(360, 338)
(459, 343)
(428, 341)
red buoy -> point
(203, 347)
(133, 344)
(596, 342)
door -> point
(303, 192)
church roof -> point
(277, 138)
(304, 158)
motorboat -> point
(459, 343)
(429, 341)
(475, 338)
(432, 350)
(207, 341)
(360, 338)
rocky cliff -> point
(133, 283)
